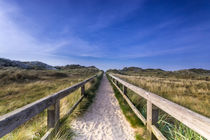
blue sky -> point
(107, 33)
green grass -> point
(20, 87)
(65, 131)
(174, 129)
(130, 115)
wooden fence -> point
(195, 121)
(12, 120)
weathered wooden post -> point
(152, 118)
(53, 115)
(83, 90)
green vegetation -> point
(189, 88)
(65, 131)
(174, 129)
(130, 116)
(20, 87)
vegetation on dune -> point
(189, 88)
(26, 86)
(193, 94)
(20, 87)
(25, 65)
(193, 74)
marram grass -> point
(25, 90)
(193, 94)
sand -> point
(104, 119)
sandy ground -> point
(104, 119)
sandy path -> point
(104, 119)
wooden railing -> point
(12, 120)
(195, 121)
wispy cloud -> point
(116, 12)
(14, 39)
(102, 31)
(19, 43)
(24, 45)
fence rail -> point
(195, 121)
(12, 120)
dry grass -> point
(193, 94)
(21, 87)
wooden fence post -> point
(83, 90)
(117, 83)
(125, 90)
(53, 115)
(152, 118)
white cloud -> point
(14, 40)
(18, 43)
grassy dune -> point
(193, 94)
(20, 87)
(191, 90)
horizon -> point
(109, 68)
(107, 34)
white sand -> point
(104, 119)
